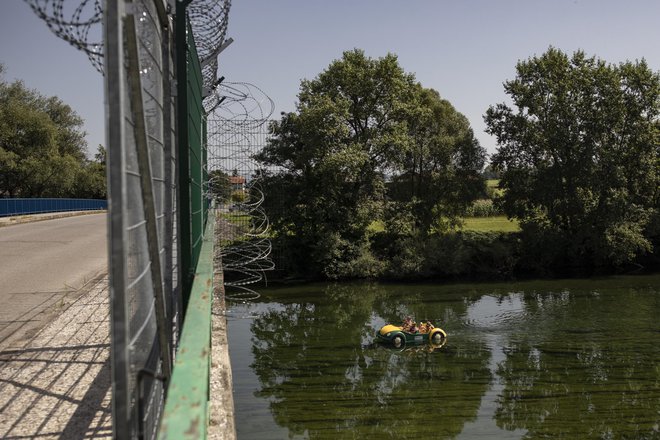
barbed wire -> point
(209, 20)
(78, 23)
(237, 119)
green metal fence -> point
(192, 149)
(186, 412)
(159, 60)
(158, 211)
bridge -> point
(134, 351)
(56, 319)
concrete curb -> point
(19, 219)
(221, 424)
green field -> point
(237, 218)
(490, 224)
(479, 224)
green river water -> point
(573, 359)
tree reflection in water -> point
(323, 381)
(562, 359)
(591, 372)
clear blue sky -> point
(464, 49)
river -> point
(572, 359)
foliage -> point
(463, 254)
(42, 147)
(364, 135)
(490, 174)
(439, 171)
(238, 196)
(219, 186)
(579, 153)
(483, 208)
(90, 182)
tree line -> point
(43, 148)
(373, 171)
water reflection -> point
(534, 360)
(322, 381)
(590, 371)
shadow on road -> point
(59, 384)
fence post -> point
(185, 242)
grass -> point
(494, 184)
(478, 224)
(236, 218)
(490, 224)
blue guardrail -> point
(9, 207)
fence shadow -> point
(59, 384)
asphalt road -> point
(44, 266)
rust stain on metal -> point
(193, 429)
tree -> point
(219, 185)
(91, 179)
(439, 173)
(579, 154)
(352, 135)
(490, 173)
(334, 151)
(42, 146)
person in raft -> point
(410, 326)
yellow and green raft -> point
(397, 336)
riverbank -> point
(454, 256)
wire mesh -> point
(135, 49)
(142, 199)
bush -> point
(238, 196)
(483, 208)
(489, 255)
(467, 254)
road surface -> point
(43, 266)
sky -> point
(464, 49)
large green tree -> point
(334, 152)
(90, 182)
(439, 174)
(360, 127)
(579, 152)
(42, 145)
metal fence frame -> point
(156, 131)
(143, 253)
(192, 148)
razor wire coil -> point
(80, 24)
(237, 116)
